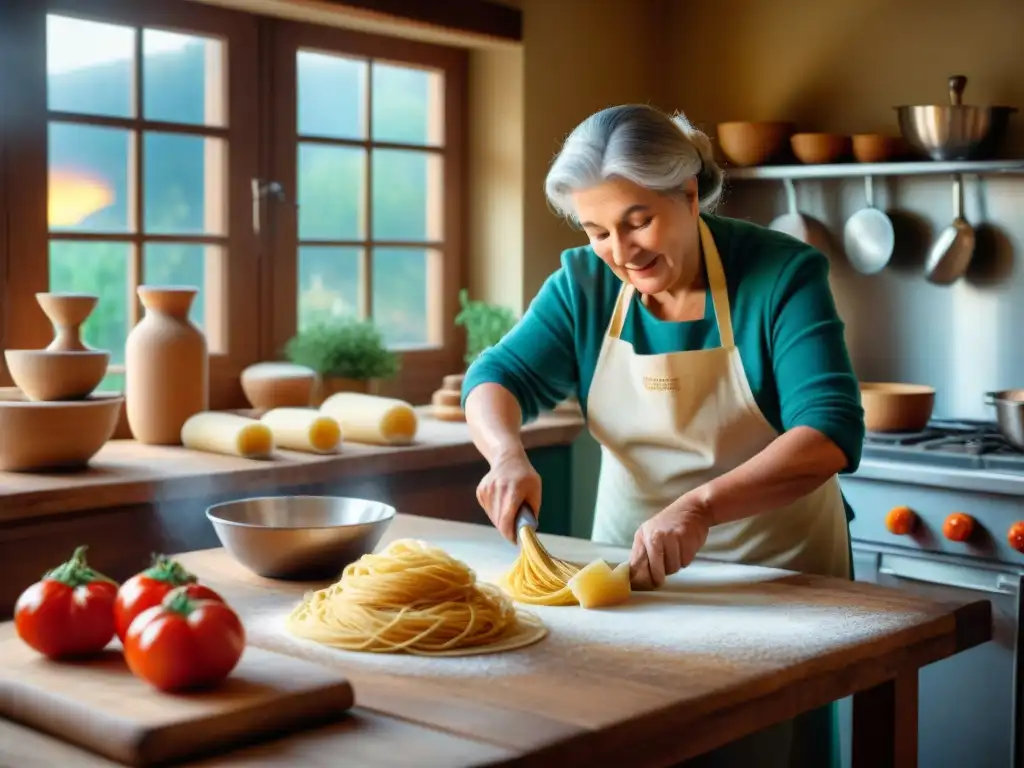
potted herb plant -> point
(485, 324)
(347, 355)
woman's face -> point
(648, 239)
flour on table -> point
(707, 609)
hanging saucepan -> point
(869, 237)
(796, 224)
(951, 254)
(1009, 405)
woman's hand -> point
(666, 543)
(511, 483)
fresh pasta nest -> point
(414, 598)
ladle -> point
(951, 254)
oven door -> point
(970, 704)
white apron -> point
(670, 423)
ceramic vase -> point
(66, 312)
(166, 367)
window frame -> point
(259, 316)
(422, 368)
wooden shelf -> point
(855, 170)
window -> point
(368, 162)
(292, 173)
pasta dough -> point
(303, 429)
(413, 598)
(538, 578)
(372, 419)
(227, 433)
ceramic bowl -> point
(300, 538)
(820, 148)
(278, 385)
(747, 144)
(36, 436)
(44, 375)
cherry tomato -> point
(150, 587)
(184, 644)
(69, 612)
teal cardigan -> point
(789, 334)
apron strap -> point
(716, 281)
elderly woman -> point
(709, 360)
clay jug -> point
(166, 367)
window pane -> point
(184, 184)
(328, 284)
(332, 192)
(102, 270)
(179, 264)
(331, 96)
(89, 178)
(182, 78)
(89, 67)
(400, 294)
(112, 382)
(406, 195)
(407, 105)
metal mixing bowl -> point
(300, 538)
(954, 131)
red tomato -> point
(184, 644)
(150, 587)
(69, 612)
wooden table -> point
(740, 649)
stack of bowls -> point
(52, 419)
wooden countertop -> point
(720, 652)
(127, 472)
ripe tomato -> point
(183, 643)
(69, 612)
(150, 587)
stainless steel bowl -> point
(954, 131)
(300, 538)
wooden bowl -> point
(44, 375)
(36, 436)
(746, 144)
(278, 385)
(895, 407)
(820, 148)
(878, 148)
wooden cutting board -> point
(100, 705)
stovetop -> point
(956, 444)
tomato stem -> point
(76, 572)
(178, 601)
(170, 571)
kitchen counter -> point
(138, 499)
(125, 472)
(721, 652)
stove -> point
(961, 487)
(977, 445)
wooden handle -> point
(957, 83)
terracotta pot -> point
(166, 367)
(330, 385)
